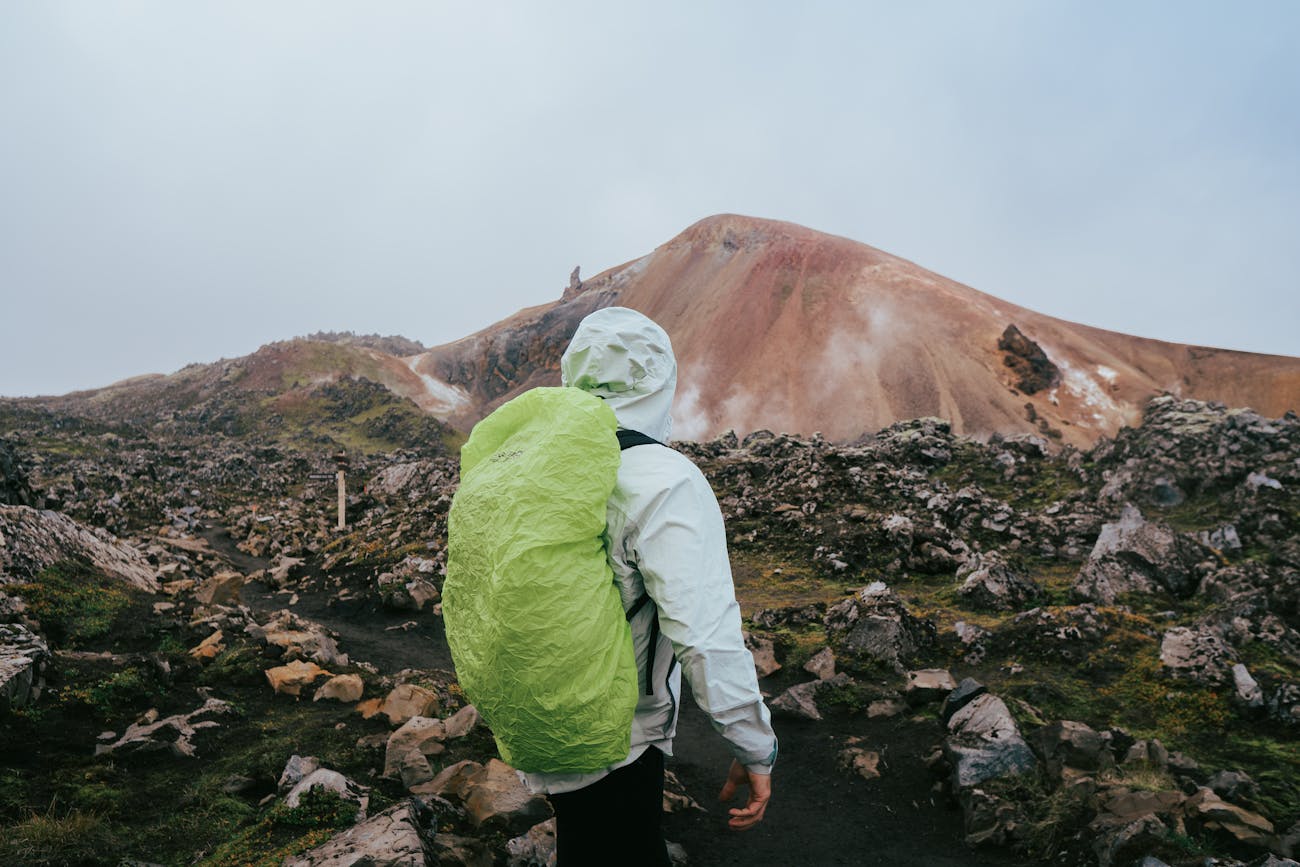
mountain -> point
(775, 326)
(320, 393)
(778, 326)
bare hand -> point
(760, 792)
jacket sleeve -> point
(680, 547)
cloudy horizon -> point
(187, 182)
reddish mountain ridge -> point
(781, 327)
(775, 327)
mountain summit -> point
(778, 326)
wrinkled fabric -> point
(667, 539)
(534, 619)
(626, 360)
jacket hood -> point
(625, 359)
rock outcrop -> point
(32, 540)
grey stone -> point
(407, 750)
(1248, 691)
(822, 664)
(331, 781)
(23, 655)
(496, 799)
(295, 770)
(1135, 555)
(984, 742)
(536, 848)
(401, 836)
(36, 539)
(1070, 744)
(799, 700)
(928, 684)
(967, 690)
(764, 652)
(1198, 654)
(988, 581)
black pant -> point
(616, 820)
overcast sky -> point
(182, 182)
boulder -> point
(1247, 689)
(210, 647)
(1151, 753)
(1235, 786)
(452, 781)
(536, 848)
(960, 696)
(495, 799)
(295, 770)
(298, 638)
(406, 755)
(988, 819)
(928, 685)
(875, 624)
(1199, 654)
(23, 655)
(462, 722)
(32, 540)
(799, 701)
(342, 687)
(984, 743)
(764, 652)
(822, 664)
(401, 836)
(408, 700)
(291, 678)
(989, 582)
(1207, 811)
(1120, 843)
(1069, 744)
(331, 781)
(1283, 704)
(1135, 555)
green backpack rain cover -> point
(534, 620)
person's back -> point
(667, 547)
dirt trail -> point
(819, 815)
(362, 625)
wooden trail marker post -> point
(340, 476)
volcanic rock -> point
(1134, 554)
(1198, 654)
(401, 836)
(1034, 371)
(876, 624)
(173, 735)
(32, 540)
(330, 781)
(989, 582)
(289, 679)
(343, 687)
(496, 799)
(984, 742)
(23, 654)
(764, 652)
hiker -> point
(666, 541)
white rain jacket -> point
(666, 538)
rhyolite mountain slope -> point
(781, 327)
(775, 327)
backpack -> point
(534, 620)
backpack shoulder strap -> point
(629, 438)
